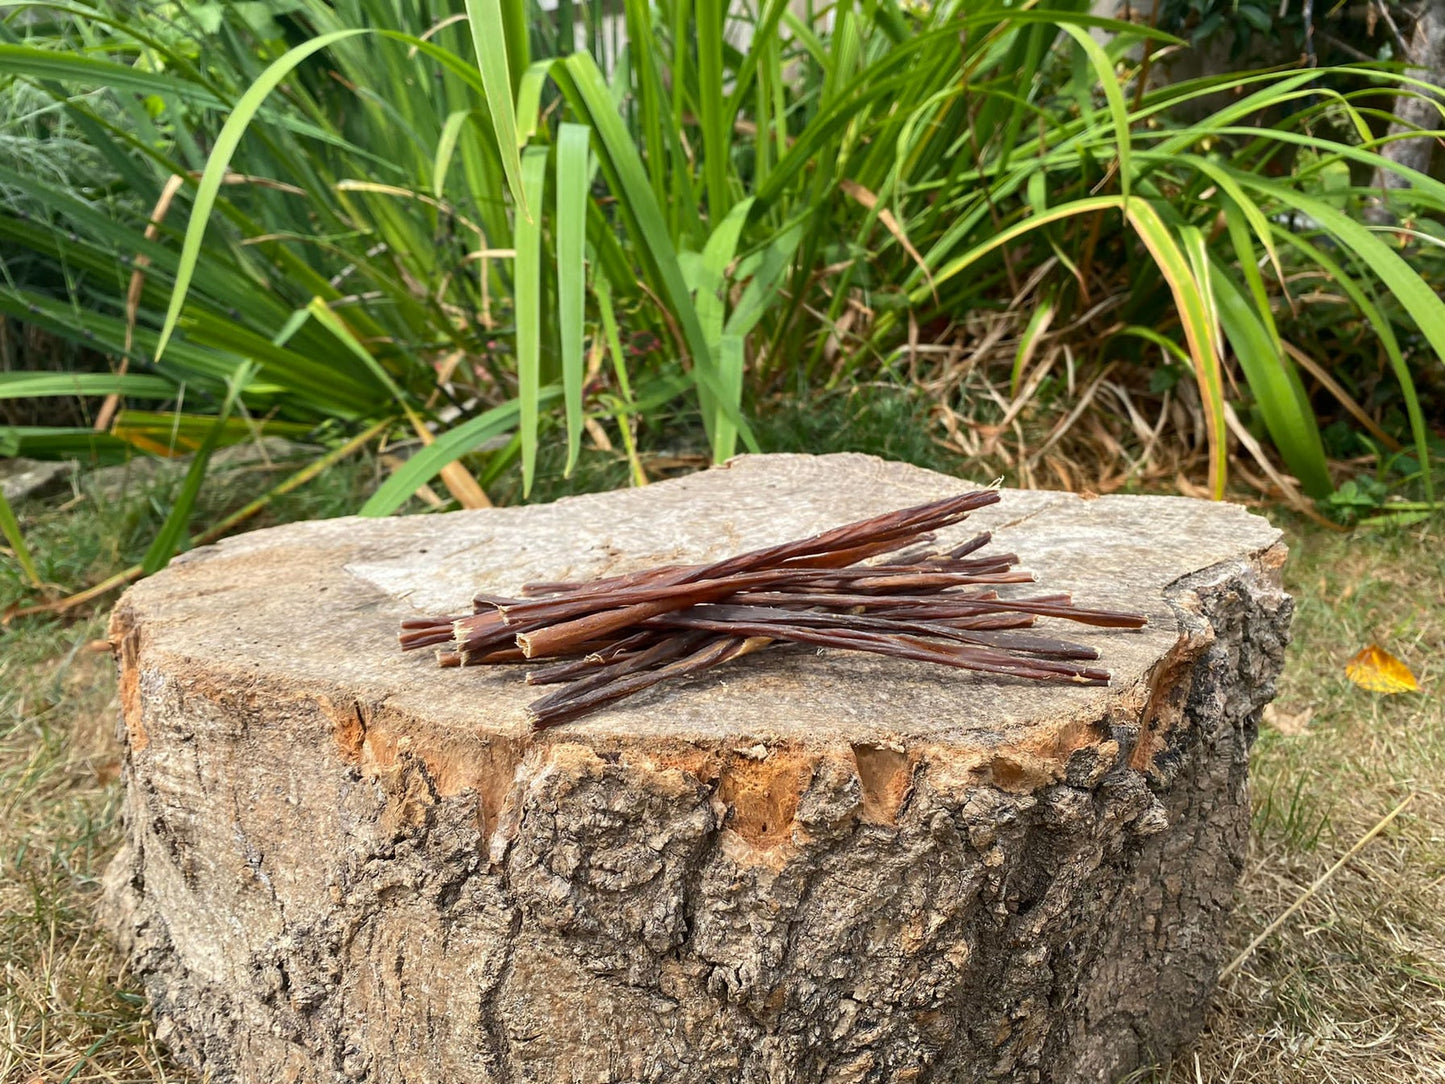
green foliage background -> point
(448, 220)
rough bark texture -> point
(343, 864)
(1416, 113)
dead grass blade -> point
(1345, 399)
(1320, 882)
(869, 202)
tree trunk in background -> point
(1427, 50)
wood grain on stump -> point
(345, 864)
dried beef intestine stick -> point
(963, 656)
(878, 535)
(616, 636)
(566, 705)
(559, 708)
(709, 616)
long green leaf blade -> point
(10, 528)
(1195, 309)
(74, 67)
(730, 363)
(446, 147)
(727, 351)
(174, 529)
(1386, 333)
(581, 81)
(1113, 94)
(717, 256)
(490, 37)
(217, 164)
(1290, 423)
(25, 385)
(322, 314)
(1012, 233)
(573, 175)
(447, 448)
(528, 302)
(712, 106)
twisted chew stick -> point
(613, 637)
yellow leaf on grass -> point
(1377, 670)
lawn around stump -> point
(1351, 986)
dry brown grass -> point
(1061, 408)
(1069, 422)
(66, 1013)
(1350, 988)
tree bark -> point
(1413, 111)
(344, 864)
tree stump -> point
(345, 864)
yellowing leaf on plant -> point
(1377, 670)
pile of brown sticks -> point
(617, 636)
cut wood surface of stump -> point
(345, 864)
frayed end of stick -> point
(614, 637)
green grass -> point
(66, 1010)
(883, 420)
(1351, 988)
(110, 518)
(62, 1008)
